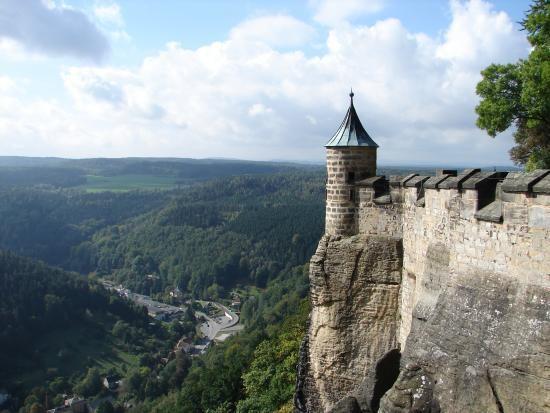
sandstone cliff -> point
(482, 347)
(354, 319)
(439, 304)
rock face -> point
(412, 392)
(440, 303)
(483, 347)
(354, 319)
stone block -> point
(407, 178)
(456, 182)
(481, 179)
(539, 217)
(417, 181)
(382, 200)
(395, 181)
(371, 182)
(434, 181)
(523, 182)
(491, 213)
(543, 186)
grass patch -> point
(122, 183)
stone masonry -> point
(345, 166)
(467, 306)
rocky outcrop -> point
(354, 319)
(483, 347)
(412, 392)
(479, 341)
(470, 331)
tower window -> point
(352, 194)
(351, 177)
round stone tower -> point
(351, 157)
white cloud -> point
(109, 14)
(242, 98)
(277, 31)
(110, 19)
(258, 109)
(334, 12)
(7, 84)
(49, 29)
(476, 34)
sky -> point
(261, 80)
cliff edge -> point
(355, 297)
(438, 303)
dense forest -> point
(234, 227)
(65, 332)
(62, 333)
(239, 230)
(50, 224)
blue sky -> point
(251, 79)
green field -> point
(120, 183)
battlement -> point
(511, 197)
(467, 222)
(470, 222)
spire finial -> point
(351, 95)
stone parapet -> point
(476, 194)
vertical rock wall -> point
(354, 319)
(483, 346)
(474, 308)
(463, 292)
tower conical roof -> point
(351, 132)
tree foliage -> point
(41, 307)
(253, 371)
(270, 380)
(238, 230)
(519, 94)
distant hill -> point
(135, 172)
(242, 229)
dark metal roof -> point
(351, 132)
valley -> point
(204, 284)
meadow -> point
(129, 182)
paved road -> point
(222, 326)
(212, 326)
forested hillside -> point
(240, 230)
(245, 234)
(60, 332)
(49, 224)
(254, 371)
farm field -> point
(122, 183)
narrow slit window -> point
(351, 177)
(352, 194)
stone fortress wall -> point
(470, 223)
(428, 293)
(449, 274)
